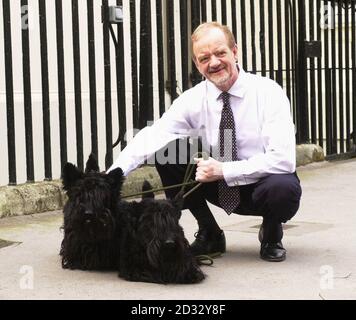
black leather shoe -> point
(208, 244)
(273, 252)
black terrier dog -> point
(141, 239)
(91, 217)
(153, 246)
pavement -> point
(320, 242)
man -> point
(244, 121)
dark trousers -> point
(275, 197)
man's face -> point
(215, 60)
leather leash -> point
(186, 181)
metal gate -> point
(308, 47)
(326, 74)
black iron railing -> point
(281, 39)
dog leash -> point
(157, 190)
(189, 172)
(205, 260)
(208, 260)
(186, 181)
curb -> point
(46, 196)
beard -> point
(221, 80)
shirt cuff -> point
(233, 177)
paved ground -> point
(321, 261)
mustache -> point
(213, 70)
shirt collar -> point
(238, 89)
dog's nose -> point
(88, 212)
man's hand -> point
(208, 170)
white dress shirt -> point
(265, 131)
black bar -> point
(172, 82)
(302, 100)
(107, 88)
(341, 79)
(327, 90)
(184, 43)
(312, 77)
(45, 90)
(160, 58)
(341, 156)
(134, 77)
(287, 47)
(61, 84)
(329, 135)
(195, 14)
(262, 38)
(146, 76)
(270, 39)
(27, 93)
(253, 35)
(77, 84)
(203, 10)
(279, 73)
(294, 54)
(347, 77)
(333, 80)
(213, 10)
(120, 81)
(223, 12)
(353, 50)
(92, 78)
(9, 93)
(234, 18)
(320, 81)
(243, 34)
(195, 8)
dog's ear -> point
(92, 164)
(117, 178)
(70, 174)
(146, 186)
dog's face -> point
(153, 247)
(159, 232)
(92, 198)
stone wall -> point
(49, 196)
